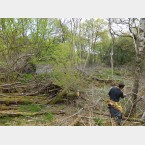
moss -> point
(31, 108)
(5, 121)
(23, 100)
(49, 117)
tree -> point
(92, 33)
(138, 38)
(124, 51)
(135, 30)
(112, 48)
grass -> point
(107, 73)
(26, 78)
(46, 119)
(31, 108)
(99, 121)
(27, 120)
(5, 121)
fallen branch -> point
(4, 95)
(75, 122)
(8, 85)
(71, 115)
(17, 114)
(124, 118)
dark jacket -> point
(115, 94)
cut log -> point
(65, 96)
(59, 98)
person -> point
(114, 106)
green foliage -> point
(62, 54)
(31, 108)
(99, 121)
(107, 73)
(63, 63)
(5, 121)
(50, 39)
(67, 77)
(44, 119)
(124, 52)
(48, 117)
(95, 38)
(25, 120)
(26, 78)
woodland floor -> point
(17, 110)
(55, 115)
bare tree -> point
(113, 39)
(139, 46)
(136, 29)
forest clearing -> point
(58, 71)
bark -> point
(63, 31)
(112, 48)
(139, 40)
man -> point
(115, 108)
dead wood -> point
(11, 88)
(59, 98)
(7, 85)
(48, 89)
(18, 114)
(65, 96)
(124, 118)
(15, 102)
(134, 120)
(75, 114)
(76, 122)
(4, 95)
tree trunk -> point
(139, 49)
(111, 53)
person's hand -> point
(124, 95)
